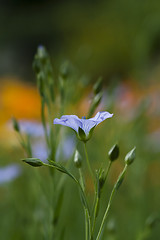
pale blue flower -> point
(31, 128)
(9, 173)
(82, 126)
(39, 150)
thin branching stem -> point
(88, 163)
(97, 201)
(120, 178)
(84, 200)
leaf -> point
(60, 168)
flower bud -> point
(42, 53)
(95, 102)
(101, 182)
(152, 220)
(15, 125)
(129, 158)
(97, 99)
(65, 69)
(81, 135)
(111, 226)
(40, 59)
(77, 159)
(40, 83)
(113, 153)
(35, 162)
(97, 86)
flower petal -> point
(71, 121)
(100, 117)
(87, 125)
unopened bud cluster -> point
(44, 73)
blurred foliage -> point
(109, 38)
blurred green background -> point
(101, 37)
(119, 40)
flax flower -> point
(83, 127)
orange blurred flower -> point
(18, 99)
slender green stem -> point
(88, 163)
(84, 200)
(117, 184)
(86, 224)
(95, 213)
(26, 144)
(90, 229)
(91, 172)
(44, 121)
(81, 179)
(87, 216)
(22, 142)
(97, 201)
(108, 168)
(51, 136)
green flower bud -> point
(65, 69)
(113, 153)
(97, 86)
(129, 158)
(95, 102)
(40, 83)
(15, 125)
(35, 162)
(42, 53)
(40, 59)
(77, 159)
(36, 65)
(101, 181)
(111, 226)
(152, 221)
(97, 99)
(100, 177)
(83, 136)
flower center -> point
(84, 117)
